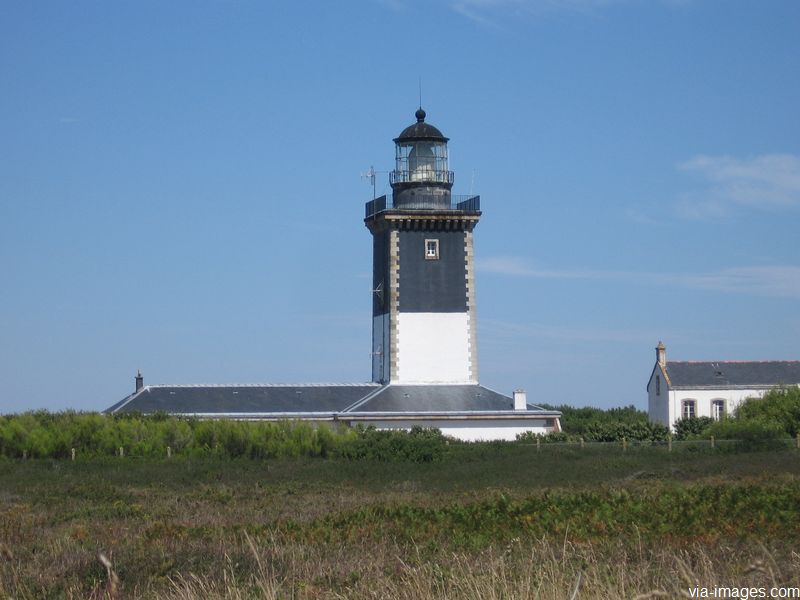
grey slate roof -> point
(434, 398)
(305, 401)
(722, 374)
(236, 399)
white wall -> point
(658, 404)
(703, 399)
(433, 348)
(473, 430)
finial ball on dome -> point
(420, 114)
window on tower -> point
(431, 249)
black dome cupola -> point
(421, 173)
(421, 131)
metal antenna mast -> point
(370, 176)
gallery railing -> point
(462, 203)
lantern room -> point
(421, 176)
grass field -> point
(489, 521)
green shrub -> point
(603, 432)
(419, 445)
(778, 406)
(177, 434)
(598, 425)
(579, 421)
(556, 437)
(750, 434)
(53, 435)
(691, 427)
(635, 431)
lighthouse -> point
(424, 350)
(423, 282)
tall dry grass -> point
(544, 570)
(273, 567)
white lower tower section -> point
(433, 348)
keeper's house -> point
(424, 343)
(684, 389)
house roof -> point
(321, 401)
(733, 374)
(233, 399)
(440, 398)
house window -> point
(688, 411)
(718, 409)
(658, 385)
(431, 249)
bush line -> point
(54, 435)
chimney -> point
(139, 381)
(661, 354)
(520, 400)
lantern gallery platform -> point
(467, 412)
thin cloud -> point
(768, 181)
(515, 266)
(774, 281)
(489, 13)
(496, 332)
(637, 215)
(781, 281)
(512, 330)
(483, 12)
(395, 5)
(468, 10)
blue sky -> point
(180, 187)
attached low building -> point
(465, 412)
(684, 389)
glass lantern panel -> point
(401, 160)
(422, 162)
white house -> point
(682, 389)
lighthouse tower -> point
(423, 304)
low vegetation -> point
(279, 510)
(54, 435)
(92, 435)
(763, 421)
(579, 421)
(597, 425)
(487, 521)
(777, 406)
